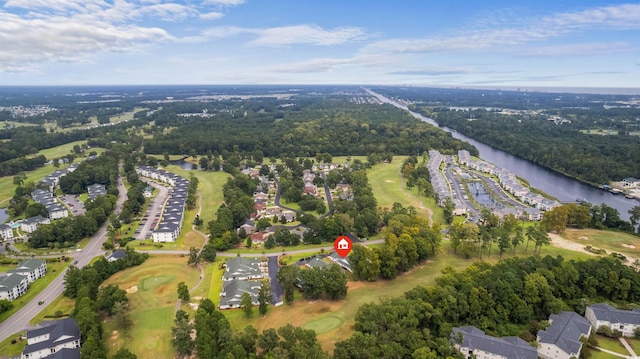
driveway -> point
(154, 211)
(276, 289)
(75, 205)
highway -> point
(20, 320)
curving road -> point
(20, 320)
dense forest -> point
(336, 127)
(589, 158)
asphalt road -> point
(154, 208)
(20, 320)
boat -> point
(581, 200)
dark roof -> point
(234, 289)
(36, 219)
(605, 312)
(510, 347)
(565, 331)
(66, 353)
(61, 331)
(11, 281)
(32, 264)
(117, 254)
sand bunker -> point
(132, 289)
(584, 238)
(628, 245)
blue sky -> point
(423, 42)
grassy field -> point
(388, 187)
(13, 350)
(7, 188)
(611, 241)
(152, 300)
(611, 344)
(61, 304)
(53, 270)
(59, 151)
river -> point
(565, 189)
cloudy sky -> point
(567, 43)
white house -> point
(61, 336)
(561, 340)
(625, 321)
(13, 286)
(31, 224)
(630, 182)
(5, 231)
(32, 269)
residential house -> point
(342, 262)
(242, 268)
(317, 262)
(57, 211)
(532, 214)
(13, 286)
(547, 205)
(6, 232)
(630, 182)
(474, 343)
(47, 342)
(116, 255)
(561, 340)
(232, 291)
(625, 321)
(32, 269)
(30, 224)
(249, 227)
(96, 190)
(459, 208)
(148, 192)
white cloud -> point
(593, 48)
(224, 2)
(328, 64)
(211, 15)
(27, 42)
(610, 17)
(290, 35)
(307, 34)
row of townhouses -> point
(168, 229)
(55, 210)
(15, 282)
(242, 275)
(560, 340)
(96, 190)
(509, 183)
(51, 181)
(441, 185)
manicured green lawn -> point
(612, 344)
(210, 188)
(60, 151)
(610, 240)
(12, 350)
(53, 270)
(62, 304)
(152, 298)
(389, 187)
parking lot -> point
(75, 205)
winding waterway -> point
(565, 189)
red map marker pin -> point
(343, 246)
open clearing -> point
(388, 187)
(152, 306)
(609, 240)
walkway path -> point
(628, 347)
(612, 352)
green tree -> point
(194, 256)
(183, 292)
(124, 353)
(288, 277)
(365, 263)
(246, 305)
(181, 332)
(264, 297)
(121, 315)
